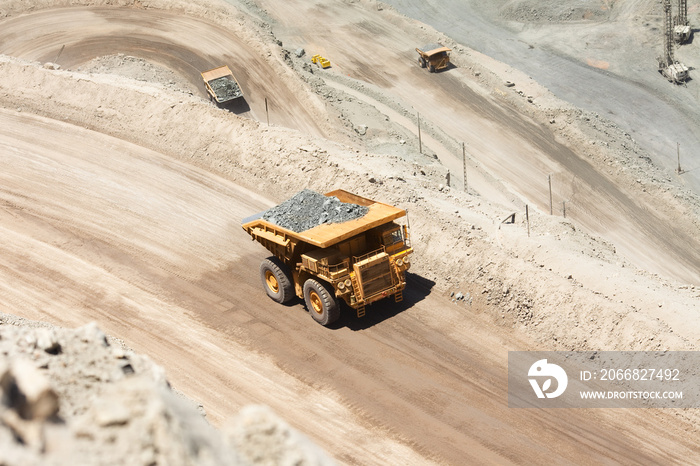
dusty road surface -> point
(148, 244)
(517, 150)
(601, 57)
(187, 45)
(95, 228)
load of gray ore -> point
(308, 209)
(225, 88)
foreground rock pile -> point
(308, 209)
(72, 397)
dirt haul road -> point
(372, 46)
(515, 149)
(95, 228)
(574, 50)
(186, 45)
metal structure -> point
(681, 26)
(671, 69)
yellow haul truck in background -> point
(359, 261)
(435, 57)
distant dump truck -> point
(434, 57)
(221, 85)
(360, 261)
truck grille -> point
(375, 275)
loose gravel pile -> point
(225, 88)
(308, 209)
(79, 397)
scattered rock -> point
(118, 420)
(26, 391)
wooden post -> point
(420, 143)
(59, 53)
(678, 149)
(267, 114)
(527, 218)
(549, 178)
(464, 167)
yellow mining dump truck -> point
(221, 85)
(434, 57)
(359, 261)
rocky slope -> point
(80, 397)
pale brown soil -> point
(122, 200)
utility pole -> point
(420, 143)
(527, 218)
(464, 167)
(678, 149)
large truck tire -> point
(277, 280)
(321, 302)
(421, 62)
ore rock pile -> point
(78, 397)
(308, 209)
(225, 88)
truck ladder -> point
(356, 287)
(398, 296)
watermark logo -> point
(546, 372)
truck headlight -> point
(405, 260)
(399, 262)
(348, 283)
(341, 285)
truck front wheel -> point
(276, 280)
(321, 303)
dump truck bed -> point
(221, 84)
(432, 49)
(327, 235)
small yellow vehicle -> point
(359, 261)
(320, 61)
(434, 57)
